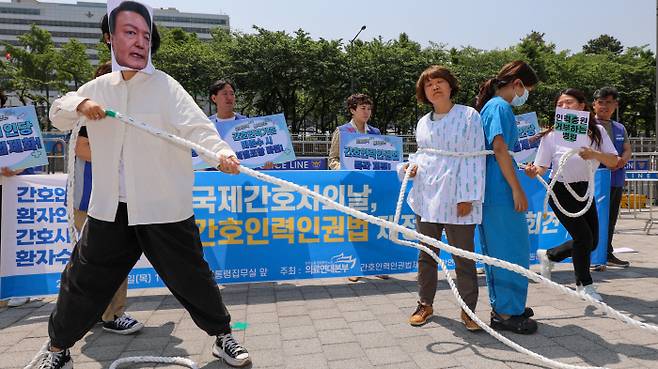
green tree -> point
(602, 45)
(34, 68)
(72, 64)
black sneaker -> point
(613, 260)
(226, 347)
(46, 359)
(519, 324)
(125, 324)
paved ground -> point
(333, 323)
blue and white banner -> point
(303, 164)
(259, 140)
(525, 148)
(21, 145)
(253, 231)
(360, 151)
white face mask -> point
(520, 100)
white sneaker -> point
(226, 347)
(545, 265)
(590, 291)
(17, 301)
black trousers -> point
(104, 256)
(584, 230)
(615, 202)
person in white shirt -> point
(447, 191)
(141, 199)
(584, 229)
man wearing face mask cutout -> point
(141, 200)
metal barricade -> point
(639, 196)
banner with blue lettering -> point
(525, 148)
(259, 140)
(362, 151)
(21, 145)
(253, 231)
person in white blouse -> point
(141, 197)
(447, 191)
(583, 229)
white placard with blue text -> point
(259, 140)
(525, 149)
(359, 151)
(21, 145)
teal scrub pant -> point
(504, 235)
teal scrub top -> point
(498, 119)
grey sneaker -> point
(227, 348)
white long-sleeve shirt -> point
(158, 174)
(442, 182)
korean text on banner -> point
(21, 145)
(359, 151)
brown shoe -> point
(420, 316)
(353, 279)
(470, 324)
(383, 276)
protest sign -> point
(21, 144)
(360, 151)
(525, 149)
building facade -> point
(82, 21)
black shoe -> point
(226, 347)
(46, 359)
(528, 313)
(125, 324)
(613, 260)
(516, 323)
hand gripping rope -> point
(409, 234)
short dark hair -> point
(108, 23)
(219, 85)
(357, 99)
(605, 92)
(435, 71)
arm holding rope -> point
(507, 168)
(65, 113)
(609, 160)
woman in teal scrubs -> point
(504, 229)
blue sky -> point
(484, 24)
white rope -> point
(70, 183)
(411, 234)
(154, 359)
(589, 195)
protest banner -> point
(254, 231)
(359, 151)
(21, 144)
(525, 148)
(256, 141)
(573, 126)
